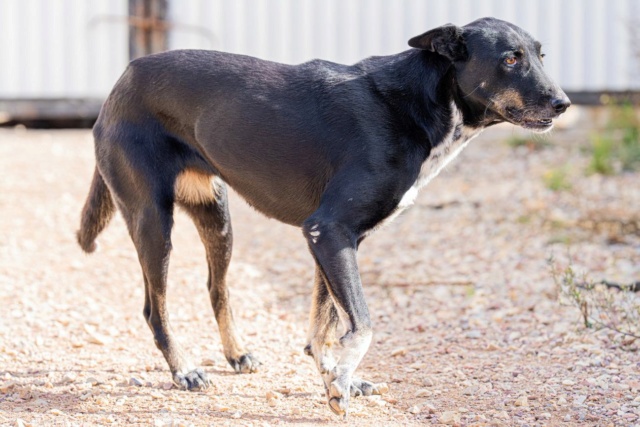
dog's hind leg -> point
(150, 228)
(212, 220)
(323, 320)
(140, 164)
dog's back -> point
(215, 112)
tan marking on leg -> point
(322, 328)
(193, 187)
(322, 338)
(231, 344)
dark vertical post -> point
(136, 32)
(147, 27)
(158, 36)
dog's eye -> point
(511, 61)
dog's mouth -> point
(538, 125)
(535, 124)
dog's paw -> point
(193, 380)
(340, 389)
(247, 363)
(338, 398)
(365, 388)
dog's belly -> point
(278, 169)
(286, 191)
(290, 200)
(193, 188)
(289, 204)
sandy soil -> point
(468, 327)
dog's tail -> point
(96, 214)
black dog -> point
(334, 149)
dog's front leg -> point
(323, 321)
(334, 247)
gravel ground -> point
(468, 327)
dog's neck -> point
(420, 88)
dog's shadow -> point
(32, 395)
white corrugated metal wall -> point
(588, 43)
(61, 48)
(78, 48)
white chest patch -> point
(440, 156)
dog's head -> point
(499, 72)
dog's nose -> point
(560, 105)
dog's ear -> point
(447, 41)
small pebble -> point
(401, 351)
(5, 387)
(92, 381)
(429, 408)
(503, 415)
(95, 337)
(428, 382)
(208, 362)
(383, 388)
(579, 399)
(544, 416)
(423, 393)
(273, 395)
(374, 401)
(69, 377)
(475, 334)
(449, 417)
(613, 406)
(471, 390)
(619, 386)
(272, 398)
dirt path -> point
(468, 330)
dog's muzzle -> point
(538, 121)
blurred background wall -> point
(61, 57)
